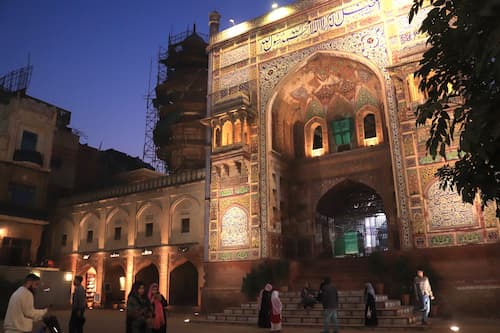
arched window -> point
(227, 133)
(318, 138)
(237, 131)
(217, 137)
(369, 126)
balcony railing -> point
(32, 156)
(143, 186)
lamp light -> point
(274, 5)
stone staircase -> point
(390, 313)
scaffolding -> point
(152, 116)
(16, 80)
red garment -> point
(275, 318)
(159, 317)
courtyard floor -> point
(109, 321)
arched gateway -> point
(326, 122)
(352, 220)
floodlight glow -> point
(274, 5)
(231, 21)
(187, 320)
(68, 276)
(454, 328)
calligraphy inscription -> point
(319, 25)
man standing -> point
(78, 305)
(330, 300)
(21, 312)
(423, 294)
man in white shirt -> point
(423, 294)
(21, 312)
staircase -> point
(391, 313)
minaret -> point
(214, 23)
(181, 102)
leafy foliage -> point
(259, 276)
(463, 60)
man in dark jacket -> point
(330, 301)
(78, 306)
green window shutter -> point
(342, 130)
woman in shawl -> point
(276, 312)
(139, 312)
(370, 306)
(159, 304)
(264, 306)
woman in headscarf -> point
(159, 304)
(139, 312)
(277, 307)
(370, 306)
(264, 306)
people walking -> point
(370, 306)
(264, 306)
(159, 304)
(423, 294)
(139, 311)
(276, 308)
(330, 301)
(78, 305)
(21, 312)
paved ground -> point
(108, 321)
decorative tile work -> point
(255, 238)
(336, 18)
(408, 145)
(492, 236)
(441, 240)
(366, 98)
(226, 192)
(242, 189)
(446, 209)
(228, 202)
(420, 241)
(418, 221)
(212, 244)
(411, 162)
(369, 44)
(427, 175)
(490, 219)
(234, 56)
(234, 78)
(427, 159)
(234, 228)
(470, 238)
(415, 201)
(412, 181)
(315, 109)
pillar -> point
(129, 273)
(163, 271)
(99, 276)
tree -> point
(463, 60)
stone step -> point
(317, 320)
(318, 311)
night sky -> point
(92, 57)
